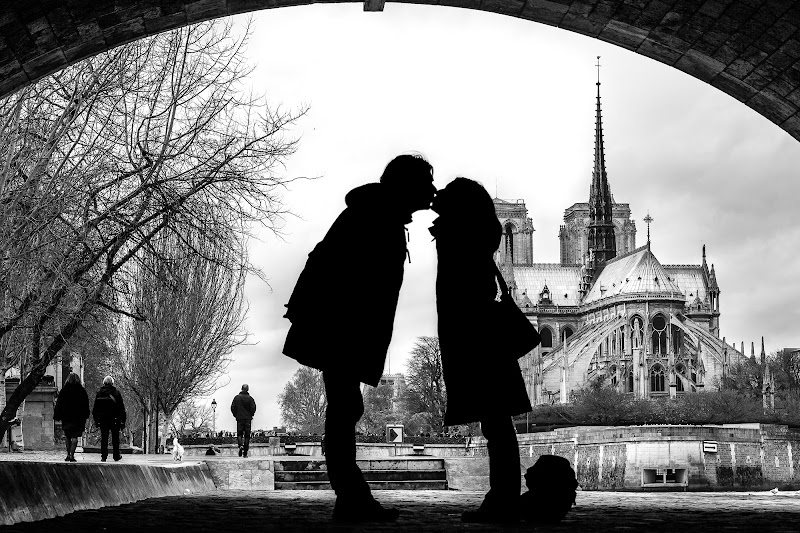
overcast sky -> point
(511, 103)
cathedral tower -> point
(601, 224)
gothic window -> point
(547, 337)
(509, 231)
(679, 371)
(566, 333)
(659, 335)
(657, 382)
(629, 378)
(677, 340)
(636, 332)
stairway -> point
(396, 473)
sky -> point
(511, 103)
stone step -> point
(303, 465)
(369, 475)
(373, 485)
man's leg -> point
(240, 436)
(115, 442)
(345, 407)
(104, 442)
(246, 435)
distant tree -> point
(380, 409)
(191, 415)
(425, 389)
(303, 402)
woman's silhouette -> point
(482, 385)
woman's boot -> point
(72, 447)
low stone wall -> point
(747, 456)
(38, 490)
(243, 474)
(314, 449)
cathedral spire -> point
(601, 225)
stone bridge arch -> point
(749, 49)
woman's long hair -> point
(73, 379)
(467, 202)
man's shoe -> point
(103, 459)
(482, 516)
(369, 511)
(117, 457)
(72, 459)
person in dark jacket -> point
(357, 269)
(243, 408)
(72, 409)
(109, 415)
(481, 384)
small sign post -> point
(394, 433)
(709, 446)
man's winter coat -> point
(109, 409)
(343, 306)
(480, 382)
(72, 404)
(243, 406)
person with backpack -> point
(109, 415)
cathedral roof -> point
(690, 280)
(637, 272)
(561, 280)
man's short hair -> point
(108, 380)
(245, 387)
(404, 166)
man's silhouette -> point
(342, 312)
(243, 408)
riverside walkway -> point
(421, 511)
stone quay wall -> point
(719, 457)
(31, 491)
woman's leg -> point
(504, 464)
(73, 445)
(68, 442)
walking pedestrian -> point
(72, 409)
(243, 408)
(109, 415)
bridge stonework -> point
(749, 49)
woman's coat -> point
(480, 382)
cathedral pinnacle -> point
(601, 227)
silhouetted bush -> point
(604, 406)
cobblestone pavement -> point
(435, 511)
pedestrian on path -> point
(243, 408)
(109, 415)
(349, 345)
(72, 409)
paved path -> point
(435, 511)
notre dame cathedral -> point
(611, 309)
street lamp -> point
(214, 419)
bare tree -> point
(153, 138)
(192, 415)
(194, 308)
(425, 389)
(303, 402)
